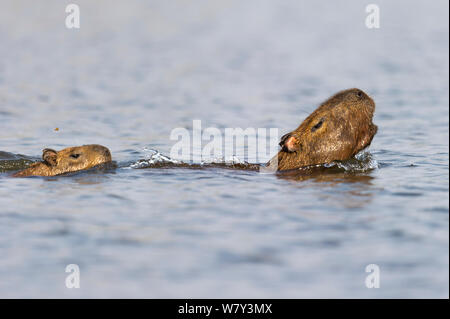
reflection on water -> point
(339, 187)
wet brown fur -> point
(70, 159)
(337, 130)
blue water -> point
(136, 70)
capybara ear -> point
(289, 143)
(49, 156)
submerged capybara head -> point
(70, 159)
(337, 130)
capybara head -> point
(70, 159)
(337, 130)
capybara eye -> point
(75, 155)
(317, 126)
(359, 93)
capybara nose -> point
(105, 151)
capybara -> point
(70, 159)
(337, 130)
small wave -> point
(224, 160)
(153, 159)
(362, 162)
(232, 162)
(13, 162)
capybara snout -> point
(70, 159)
(337, 130)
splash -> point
(362, 162)
(154, 159)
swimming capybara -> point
(70, 159)
(337, 130)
